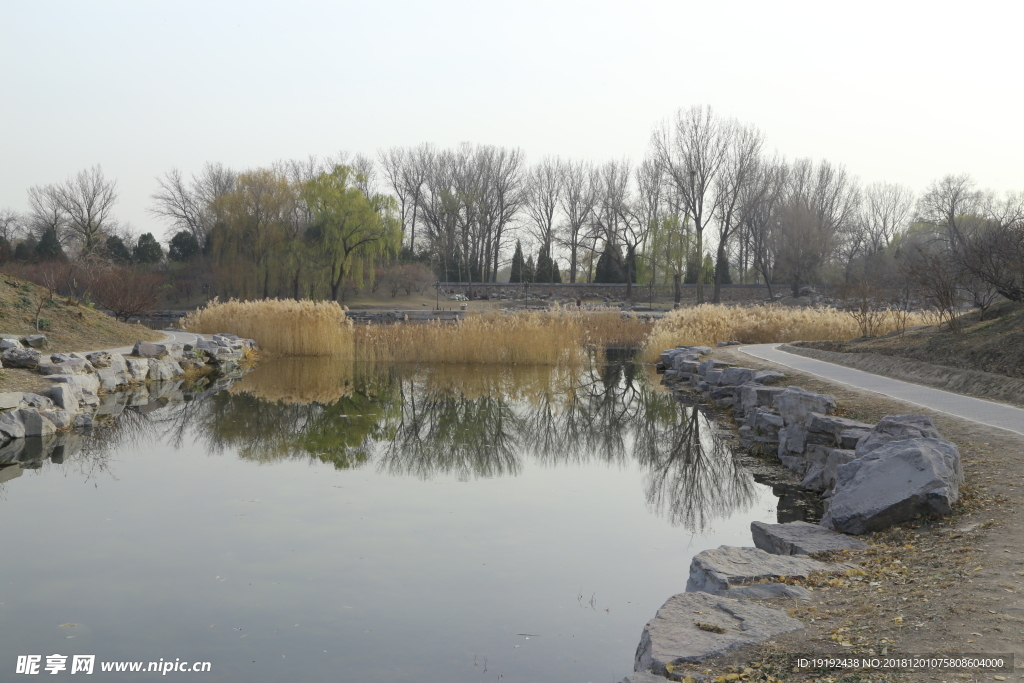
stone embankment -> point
(86, 386)
(870, 477)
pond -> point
(324, 521)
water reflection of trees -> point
(429, 421)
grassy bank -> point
(68, 325)
(709, 324)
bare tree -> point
(887, 208)
(127, 291)
(87, 201)
(193, 205)
(743, 151)
(578, 198)
(820, 209)
(542, 191)
(405, 171)
(12, 225)
(45, 213)
(693, 149)
(948, 203)
(761, 202)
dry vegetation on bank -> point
(304, 328)
(708, 324)
(557, 336)
(280, 326)
(68, 324)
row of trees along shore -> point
(707, 205)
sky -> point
(901, 92)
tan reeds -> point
(280, 326)
(520, 338)
(709, 324)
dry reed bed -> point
(280, 326)
(554, 337)
(708, 324)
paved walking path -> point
(975, 409)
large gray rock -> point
(795, 404)
(833, 426)
(63, 396)
(736, 376)
(768, 376)
(35, 423)
(66, 365)
(713, 377)
(800, 538)
(10, 399)
(84, 386)
(146, 349)
(11, 425)
(721, 570)
(895, 483)
(36, 341)
(682, 364)
(9, 343)
(20, 358)
(137, 368)
(821, 475)
(674, 637)
(897, 428)
(99, 359)
(163, 370)
(712, 364)
(754, 395)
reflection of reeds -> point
(299, 380)
(711, 323)
(280, 326)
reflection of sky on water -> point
(460, 507)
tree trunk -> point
(700, 266)
(677, 285)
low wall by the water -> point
(616, 292)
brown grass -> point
(710, 323)
(280, 326)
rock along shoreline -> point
(87, 386)
(870, 477)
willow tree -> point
(253, 225)
(349, 229)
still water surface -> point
(324, 522)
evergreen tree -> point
(183, 247)
(709, 270)
(26, 250)
(5, 250)
(543, 266)
(148, 250)
(49, 248)
(529, 271)
(517, 264)
(609, 266)
(556, 276)
(117, 251)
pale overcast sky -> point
(904, 92)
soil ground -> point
(935, 586)
(68, 326)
